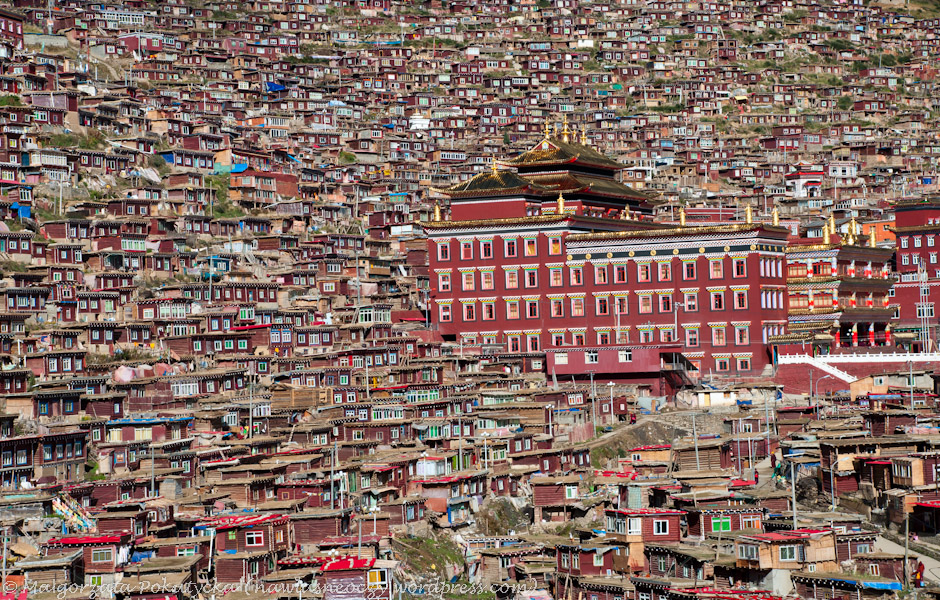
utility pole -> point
(332, 477)
(153, 478)
(698, 464)
(907, 549)
(793, 488)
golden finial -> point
(832, 223)
(681, 216)
(493, 165)
(826, 238)
(748, 215)
(584, 139)
(554, 129)
(565, 132)
(437, 211)
(625, 213)
(872, 242)
(561, 204)
(547, 128)
(776, 217)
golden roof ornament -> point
(547, 128)
(872, 242)
(826, 238)
(625, 213)
(776, 217)
(832, 223)
(561, 204)
(565, 132)
(584, 139)
(493, 165)
(437, 211)
(681, 216)
(748, 215)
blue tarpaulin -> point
(275, 87)
(239, 168)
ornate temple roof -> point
(491, 182)
(554, 151)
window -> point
(591, 357)
(530, 247)
(512, 309)
(571, 492)
(556, 279)
(740, 299)
(512, 279)
(469, 312)
(486, 280)
(788, 553)
(643, 272)
(443, 251)
(718, 336)
(718, 300)
(691, 338)
(378, 579)
(744, 364)
(468, 280)
(665, 271)
(489, 311)
(624, 356)
(620, 273)
(445, 313)
(554, 246)
(646, 303)
(532, 309)
(688, 271)
(665, 304)
(602, 305)
(486, 249)
(748, 551)
(721, 523)
(740, 267)
(690, 302)
(751, 522)
(716, 269)
(466, 250)
(531, 278)
(557, 307)
(577, 276)
(254, 538)
(660, 527)
(634, 526)
(95, 579)
(443, 282)
(101, 555)
(510, 248)
(577, 307)
(600, 275)
(741, 336)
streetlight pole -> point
(610, 386)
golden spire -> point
(561, 204)
(547, 128)
(748, 215)
(625, 213)
(872, 242)
(776, 216)
(554, 129)
(826, 238)
(437, 211)
(565, 132)
(681, 216)
(852, 237)
(493, 164)
(584, 139)
(832, 223)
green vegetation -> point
(845, 103)
(347, 157)
(223, 207)
(91, 471)
(10, 101)
(840, 45)
(93, 140)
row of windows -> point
(917, 241)
(603, 305)
(645, 273)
